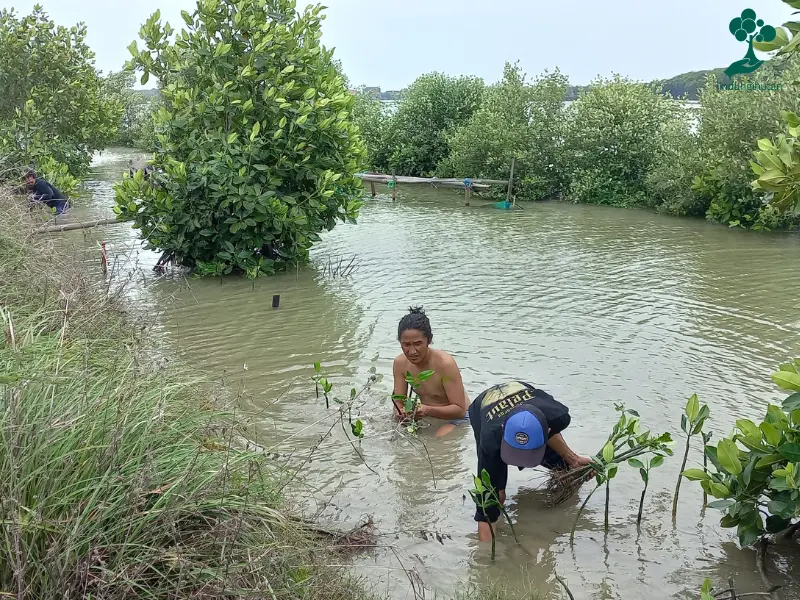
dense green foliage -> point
(777, 165)
(136, 127)
(53, 114)
(611, 139)
(257, 148)
(755, 474)
(518, 120)
(431, 108)
(368, 114)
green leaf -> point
(722, 504)
(748, 535)
(728, 455)
(768, 460)
(692, 408)
(145, 77)
(787, 380)
(608, 452)
(636, 463)
(317, 367)
(287, 70)
(611, 472)
(750, 429)
(657, 461)
(358, 428)
(792, 403)
(644, 475)
(256, 129)
(425, 375)
(232, 137)
(684, 424)
(187, 18)
(487, 480)
(772, 434)
(696, 475)
(791, 452)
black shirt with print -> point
(488, 413)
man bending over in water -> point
(442, 396)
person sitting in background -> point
(44, 192)
(441, 397)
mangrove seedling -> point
(322, 382)
(411, 401)
(706, 440)
(625, 443)
(644, 471)
(692, 421)
(485, 497)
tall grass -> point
(121, 477)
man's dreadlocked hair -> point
(416, 319)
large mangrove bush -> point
(53, 114)
(431, 108)
(611, 141)
(519, 120)
(257, 148)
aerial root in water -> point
(359, 538)
(565, 586)
(732, 594)
(562, 484)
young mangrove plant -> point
(692, 421)
(345, 406)
(485, 497)
(411, 400)
(754, 474)
(626, 442)
(644, 470)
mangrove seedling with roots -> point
(692, 421)
(755, 472)
(626, 442)
(485, 497)
(411, 401)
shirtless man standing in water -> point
(442, 396)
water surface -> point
(594, 305)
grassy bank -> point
(122, 477)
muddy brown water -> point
(594, 305)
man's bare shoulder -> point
(400, 361)
(444, 361)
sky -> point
(388, 43)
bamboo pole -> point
(511, 182)
(74, 226)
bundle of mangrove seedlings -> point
(625, 444)
(123, 478)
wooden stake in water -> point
(394, 187)
(372, 187)
(510, 182)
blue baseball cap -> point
(524, 437)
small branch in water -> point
(761, 559)
(565, 586)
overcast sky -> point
(388, 43)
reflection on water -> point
(594, 305)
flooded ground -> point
(594, 305)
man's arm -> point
(456, 395)
(400, 388)
(557, 443)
